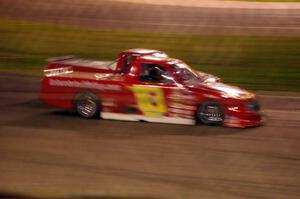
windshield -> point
(184, 73)
(113, 65)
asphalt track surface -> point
(53, 153)
(157, 18)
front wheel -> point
(210, 113)
(86, 104)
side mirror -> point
(208, 77)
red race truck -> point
(146, 85)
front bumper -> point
(244, 120)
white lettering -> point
(84, 84)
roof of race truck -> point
(142, 51)
(153, 58)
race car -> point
(146, 85)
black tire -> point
(210, 113)
(87, 105)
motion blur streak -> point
(219, 4)
(137, 16)
(49, 153)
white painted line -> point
(219, 4)
(280, 111)
(200, 25)
(280, 96)
(283, 16)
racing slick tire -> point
(87, 105)
(210, 113)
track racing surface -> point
(46, 152)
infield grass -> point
(253, 62)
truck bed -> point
(82, 64)
(110, 65)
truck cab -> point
(128, 56)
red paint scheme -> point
(122, 92)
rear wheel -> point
(86, 105)
(210, 113)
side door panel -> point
(151, 100)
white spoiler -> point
(62, 58)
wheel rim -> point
(211, 114)
(86, 107)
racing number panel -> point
(151, 101)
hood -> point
(227, 91)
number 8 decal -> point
(150, 100)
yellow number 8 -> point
(150, 100)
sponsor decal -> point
(109, 102)
(57, 71)
(179, 95)
(181, 111)
(180, 115)
(176, 105)
(84, 84)
(182, 106)
(234, 109)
